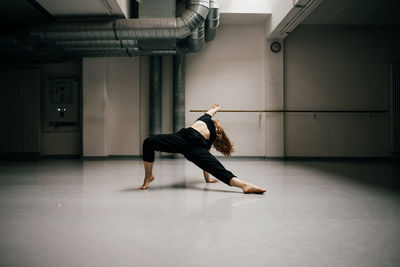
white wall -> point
(338, 68)
(111, 106)
(230, 71)
(274, 100)
(320, 68)
(124, 5)
(94, 113)
(123, 106)
(227, 72)
(279, 9)
(238, 6)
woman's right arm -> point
(215, 109)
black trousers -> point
(192, 145)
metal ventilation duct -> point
(212, 21)
(157, 9)
(118, 37)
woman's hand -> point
(212, 180)
(208, 179)
(216, 106)
(214, 110)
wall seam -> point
(284, 98)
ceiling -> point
(19, 12)
(356, 12)
(86, 8)
(329, 12)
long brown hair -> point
(222, 143)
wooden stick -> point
(297, 111)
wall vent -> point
(20, 110)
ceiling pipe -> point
(62, 40)
(97, 43)
(212, 21)
(119, 52)
(196, 40)
(124, 29)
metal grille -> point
(20, 110)
(395, 92)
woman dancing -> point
(195, 144)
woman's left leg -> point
(172, 143)
(149, 177)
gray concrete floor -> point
(90, 213)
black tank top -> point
(206, 118)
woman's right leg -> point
(172, 143)
(148, 177)
(246, 187)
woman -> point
(195, 143)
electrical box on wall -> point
(62, 102)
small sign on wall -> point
(62, 108)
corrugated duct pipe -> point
(125, 29)
(117, 37)
(212, 21)
(206, 31)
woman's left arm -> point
(215, 109)
(208, 179)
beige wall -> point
(231, 71)
(123, 106)
(111, 106)
(278, 9)
(94, 113)
(338, 68)
(253, 6)
(274, 100)
(320, 68)
(227, 71)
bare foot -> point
(250, 188)
(212, 180)
(147, 180)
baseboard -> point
(112, 157)
(60, 156)
(37, 156)
(242, 157)
(376, 159)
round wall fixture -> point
(276, 47)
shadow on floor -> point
(381, 174)
(181, 185)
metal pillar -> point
(178, 92)
(155, 95)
